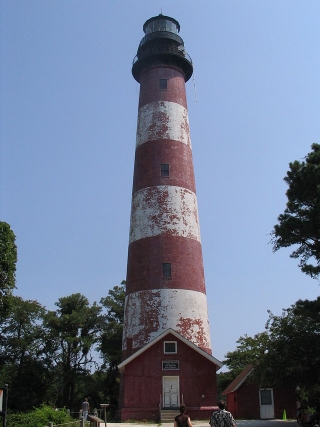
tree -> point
(111, 338)
(249, 351)
(73, 329)
(22, 355)
(111, 342)
(299, 225)
(8, 260)
(293, 352)
(287, 353)
(224, 379)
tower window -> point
(163, 83)
(170, 347)
(166, 270)
(164, 169)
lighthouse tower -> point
(165, 289)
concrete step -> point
(167, 415)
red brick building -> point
(167, 372)
(246, 400)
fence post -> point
(50, 424)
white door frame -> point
(267, 407)
(172, 380)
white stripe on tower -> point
(178, 309)
(161, 209)
(151, 119)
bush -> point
(39, 417)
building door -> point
(170, 392)
(266, 403)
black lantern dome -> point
(161, 45)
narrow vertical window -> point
(164, 169)
(166, 270)
(163, 83)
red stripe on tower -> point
(165, 277)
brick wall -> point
(143, 382)
(244, 402)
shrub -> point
(39, 417)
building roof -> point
(208, 356)
(239, 380)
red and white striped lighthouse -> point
(165, 278)
(166, 339)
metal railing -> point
(69, 424)
(77, 423)
(160, 50)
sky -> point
(68, 114)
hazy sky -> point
(68, 123)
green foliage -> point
(21, 332)
(287, 354)
(47, 357)
(38, 417)
(114, 303)
(111, 338)
(93, 387)
(249, 351)
(22, 356)
(8, 260)
(111, 342)
(294, 348)
(223, 380)
(73, 330)
(299, 225)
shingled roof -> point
(239, 380)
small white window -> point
(170, 347)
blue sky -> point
(68, 122)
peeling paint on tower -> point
(166, 350)
(151, 312)
(164, 224)
(163, 120)
(164, 209)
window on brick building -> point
(163, 83)
(164, 169)
(166, 270)
(170, 347)
(266, 397)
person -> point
(222, 418)
(182, 420)
(85, 408)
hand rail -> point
(160, 50)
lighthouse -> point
(166, 339)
